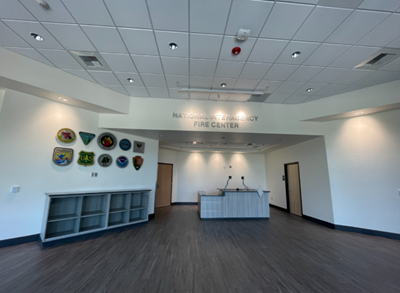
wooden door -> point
(164, 185)
(293, 189)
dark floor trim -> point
(183, 203)
(318, 221)
(279, 208)
(19, 240)
(152, 216)
(233, 219)
(368, 232)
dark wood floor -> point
(176, 252)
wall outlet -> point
(93, 174)
(14, 188)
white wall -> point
(209, 171)
(364, 167)
(28, 127)
(170, 157)
(314, 177)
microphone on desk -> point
(243, 183)
(229, 178)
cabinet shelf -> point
(59, 234)
(90, 228)
(117, 210)
(62, 217)
(94, 213)
(138, 208)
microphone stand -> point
(229, 178)
(243, 183)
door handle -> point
(288, 189)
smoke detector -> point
(379, 59)
(43, 4)
(243, 34)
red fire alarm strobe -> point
(236, 50)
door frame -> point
(172, 178)
(287, 186)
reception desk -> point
(233, 203)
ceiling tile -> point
(386, 5)
(137, 91)
(156, 92)
(231, 42)
(357, 25)
(70, 36)
(11, 39)
(304, 73)
(325, 54)
(104, 78)
(139, 41)
(123, 79)
(129, 13)
(267, 50)
(24, 30)
(177, 81)
(199, 96)
(105, 39)
(277, 98)
(321, 23)
(219, 97)
(175, 66)
(314, 86)
(295, 99)
(201, 82)
(301, 1)
(313, 98)
(353, 56)
(199, 67)
(31, 53)
(169, 15)
(253, 70)
(62, 59)
(268, 86)
(81, 73)
(176, 94)
(328, 75)
(277, 25)
(352, 76)
(306, 49)
(117, 88)
(119, 62)
(165, 38)
(229, 69)
(238, 97)
(332, 89)
(246, 84)
(378, 77)
(340, 3)
(394, 44)
(239, 16)
(392, 66)
(205, 46)
(351, 88)
(216, 85)
(384, 33)
(280, 72)
(154, 80)
(147, 64)
(289, 87)
(13, 9)
(209, 16)
(56, 13)
(89, 12)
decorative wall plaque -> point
(137, 162)
(63, 156)
(138, 147)
(122, 161)
(86, 158)
(86, 137)
(104, 160)
(107, 141)
(66, 135)
(125, 144)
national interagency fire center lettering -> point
(215, 120)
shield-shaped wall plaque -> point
(63, 156)
(137, 162)
(86, 158)
(86, 137)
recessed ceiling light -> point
(223, 137)
(309, 90)
(281, 139)
(173, 46)
(358, 113)
(63, 99)
(296, 54)
(160, 135)
(131, 80)
(37, 37)
(223, 84)
(194, 142)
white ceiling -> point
(133, 36)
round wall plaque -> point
(66, 135)
(107, 141)
(125, 144)
(122, 161)
(104, 160)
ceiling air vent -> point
(90, 60)
(379, 59)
